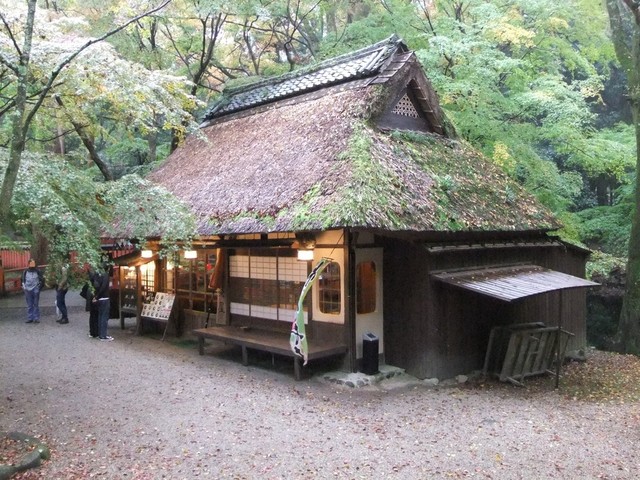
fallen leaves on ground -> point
(604, 377)
(11, 451)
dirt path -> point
(138, 408)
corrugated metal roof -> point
(512, 283)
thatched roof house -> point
(356, 154)
(321, 149)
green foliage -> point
(140, 209)
(570, 231)
(371, 22)
(601, 264)
(107, 95)
(73, 211)
(520, 79)
(59, 202)
(131, 155)
(609, 152)
(608, 227)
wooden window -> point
(366, 281)
(148, 273)
(266, 284)
(191, 277)
(330, 290)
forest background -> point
(104, 90)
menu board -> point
(129, 287)
(158, 305)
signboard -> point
(158, 306)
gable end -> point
(410, 109)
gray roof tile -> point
(359, 64)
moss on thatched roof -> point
(302, 152)
(318, 163)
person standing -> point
(87, 293)
(32, 283)
(101, 297)
(62, 286)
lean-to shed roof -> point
(315, 159)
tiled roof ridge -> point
(390, 43)
(321, 74)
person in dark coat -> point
(32, 283)
(88, 292)
(101, 297)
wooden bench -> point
(267, 341)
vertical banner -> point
(298, 339)
(217, 279)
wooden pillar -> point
(559, 339)
(350, 303)
(139, 300)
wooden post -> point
(245, 356)
(297, 369)
(558, 339)
(350, 300)
(139, 326)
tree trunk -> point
(629, 325)
(18, 127)
(11, 173)
(88, 143)
(39, 247)
(152, 141)
(624, 16)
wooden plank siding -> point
(14, 258)
(434, 330)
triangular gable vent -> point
(405, 108)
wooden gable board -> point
(408, 78)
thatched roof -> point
(316, 160)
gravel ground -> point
(139, 408)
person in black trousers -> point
(62, 286)
(88, 293)
(101, 298)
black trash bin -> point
(370, 344)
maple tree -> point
(35, 66)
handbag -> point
(84, 293)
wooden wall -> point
(435, 330)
